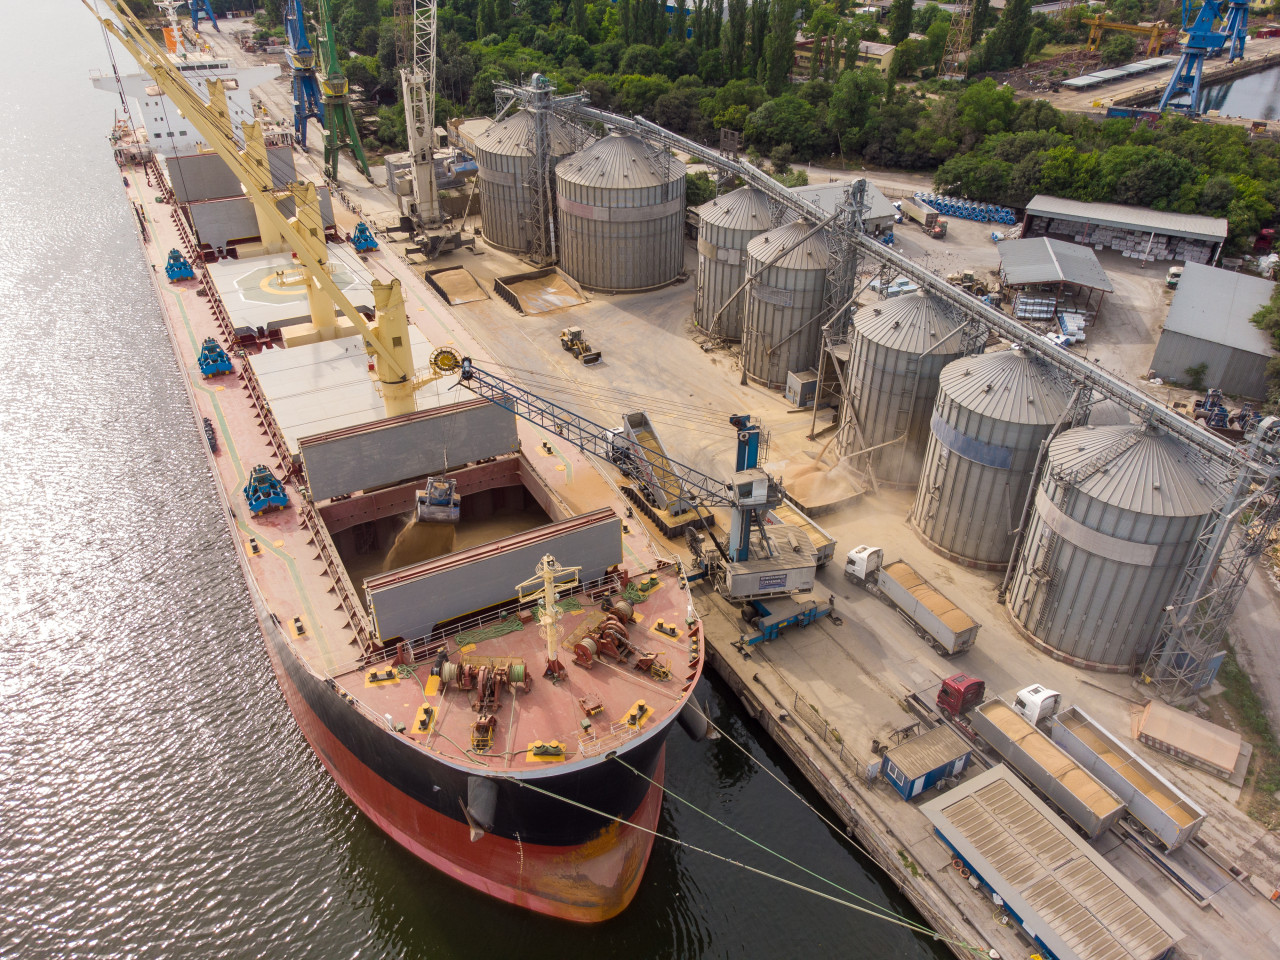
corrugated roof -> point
(621, 161)
(1080, 906)
(828, 195)
(812, 254)
(1215, 305)
(1041, 260)
(513, 136)
(929, 751)
(911, 323)
(1136, 468)
(1130, 218)
(743, 209)
(1012, 386)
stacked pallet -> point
(1131, 243)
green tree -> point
(698, 189)
(780, 45)
(735, 39)
(759, 31)
(906, 59)
(679, 21)
(1119, 48)
(786, 119)
(936, 41)
(640, 58)
(899, 20)
(1007, 45)
(578, 16)
(856, 95)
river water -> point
(1256, 96)
(156, 799)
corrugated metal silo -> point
(503, 154)
(728, 224)
(620, 209)
(777, 335)
(992, 414)
(898, 348)
(1115, 515)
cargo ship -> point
(481, 644)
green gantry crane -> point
(339, 122)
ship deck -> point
(302, 591)
(585, 714)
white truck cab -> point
(1036, 703)
(863, 563)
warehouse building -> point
(1048, 278)
(1070, 902)
(1209, 323)
(878, 216)
(1136, 232)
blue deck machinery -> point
(203, 6)
(264, 492)
(213, 360)
(363, 240)
(307, 102)
(1215, 25)
(177, 268)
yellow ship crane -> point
(387, 340)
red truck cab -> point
(961, 693)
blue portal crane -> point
(1204, 39)
(307, 102)
(203, 6)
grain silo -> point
(897, 349)
(504, 155)
(783, 299)
(620, 210)
(726, 226)
(992, 414)
(1115, 516)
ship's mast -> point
(170, 7)
(550, 579)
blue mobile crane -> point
(203, 6)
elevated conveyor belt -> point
(1077, 368)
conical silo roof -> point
(812, 254)
(911, 323)
(1105, 413)
(513, 136)
(1011, 386)
(621, 161)
(743, 209)
(1136, 468)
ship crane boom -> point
(387, 340)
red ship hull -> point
(586, 882)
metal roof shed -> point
(1041, 260)
(1063, 894)
(1070, 270)
(921, 762)
(1209, 323)
(1138, 219)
